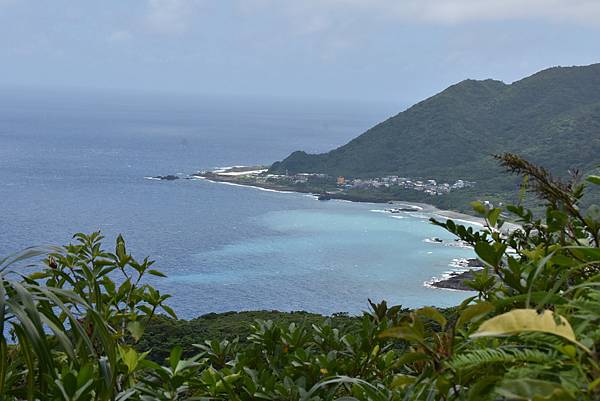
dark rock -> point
(169, 177)
(456, 281)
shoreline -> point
(237, 184)
(460, 270)
(459, 217)
(453, 279)
(424, 207)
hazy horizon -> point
(379, 50)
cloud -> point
(169, 17)
(449, 11)
(457, 11)
(177, 17)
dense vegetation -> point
(163, 333)
(552, 118)
(75, 328)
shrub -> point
(72, 329)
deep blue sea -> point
(74, 161)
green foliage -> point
(67, 323)
(552, 118)
(163, 333)
(84, 327)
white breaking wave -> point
(473, 223)
(452, 244)
(418, 215)
(457, 266)
(250, 186)
(239, 173)
(409, 206)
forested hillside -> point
(551, 118)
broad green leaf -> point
(175, 356)
(150, 364)
(170, 311)
(527, 320)
(410, 357)
(586, 253)
(569, 350)
(85, 374)
(27, 253)
(594, 179)
(136, 329)
(592, 386)
(38, 275)
(478, 207)
(489, 253)
(403, 332)
(474, 311)
(400, 381)
(129, 357)
(442, 385)
(493, 216)
(120, 248)
(232, 378)
(532, 389)
(69, 382)
(432, 314)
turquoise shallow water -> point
(331, 256)
(76, 163)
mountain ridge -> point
(551, 117)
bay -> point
(75, 161)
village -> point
(428, 186)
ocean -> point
(75, 161)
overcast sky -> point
(398, 50)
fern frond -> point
(477, 358)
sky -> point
(379, 50)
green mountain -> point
(551, 118)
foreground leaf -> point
(535, 390)
(526, 320)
